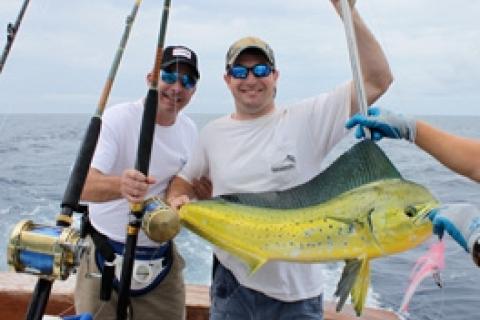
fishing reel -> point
(54, 252)
(160, 222)
(46, 251)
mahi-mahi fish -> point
(357, 209)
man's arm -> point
(179, 192)
(377, 75)
(100, 187)
(132, 185)
(460, 154)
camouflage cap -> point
(249, 43)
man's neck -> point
(239, 115)
(166, 119)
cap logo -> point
(182, 52)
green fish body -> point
(357, 209)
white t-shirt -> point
(274, 152)
(116, 151)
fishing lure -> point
(430, 263)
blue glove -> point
(383, 123)
(460, 220)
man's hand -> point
(383, 123)
(202, 188)
(461, 221)
(337, 4)
(180, 192)
(177, 202)
(134, 185)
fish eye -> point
(410, 211)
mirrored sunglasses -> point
(187, 81)
(241, 72)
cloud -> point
(65, 49)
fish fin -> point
(345, 220)
(360, 288)
(365, 222)
(253, 261)
(355, 279)
(344, 286)
(364, 163)
(255, 267)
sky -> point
(64, 49)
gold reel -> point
(160, 222)
(42, 250)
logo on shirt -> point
(286, 164)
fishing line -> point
(76, 181)
(442, 301)
(45, 6)
(176, 91)
(376, 18)
(4, 118)
(64, 312)
(12, 31)
(102, 305)
(142, 164)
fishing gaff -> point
(142, 164)
(71, 197)
(354, 57)
(12, 33)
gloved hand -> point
(383, 123)
(460, 220)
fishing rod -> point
(12, 33)
(142, 164)
(71, 197)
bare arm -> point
(131, 185)
(460, 154)
(179, 192)
(100, 187)
(377, 75)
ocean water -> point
(37, 151)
